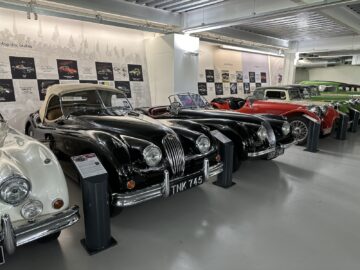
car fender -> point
(301, 112)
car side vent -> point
(175, 154)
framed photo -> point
(67, 69)
(7, 93)
(22, 67)
(210, 76)
(104, 71)
(124, 86)
(135, 73)
(219, 90)
(246, 88)
(225, 76)
(252, 78)
(263, 77)
(239, 76)
(233, 88)
(202, 88)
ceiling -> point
(176, 5)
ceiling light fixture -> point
(242, 49)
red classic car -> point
(299, 115)
(68, 70)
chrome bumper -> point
(160, 190)
(263, 152)
(12, 237)
(287, 145)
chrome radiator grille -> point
(175, 154)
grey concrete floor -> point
(300, 211)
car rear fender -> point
(301, 112)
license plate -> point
(186, 184)
(2, 257)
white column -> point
(172, 62)
(289, 64)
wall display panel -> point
(22, 67)
(135, 73)
(210, 76)
(124, 86)
(38, 49)
(104, 71)
(7, 93)
(276, 70)
(239, 76)
(219, 90)
(233, 88)
(68, 69)
(225, 76)
(202, 88)
(246, 88)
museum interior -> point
(180, 135)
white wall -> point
(346, 74)
(51, 38)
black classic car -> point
(264, 136)
(144, 158)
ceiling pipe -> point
(269, 15)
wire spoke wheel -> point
(299, 130)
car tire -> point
(50, 237)
(300, 127)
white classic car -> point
(34, 201)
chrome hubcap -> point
(299, 130)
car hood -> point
(232, 115)
(133, 125)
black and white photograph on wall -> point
(104, 71)
(43, 86)
(210, 76)
(263, 77)
(68, 69)
(219, 90)
(124, 86)
(258, 85)
(225, 76)
(233, 88)
(239, 76)
(22, 67)
(89, 81)
(135, 73)
(246, 88)
(252, 77)
(7, 91)
(202, 88)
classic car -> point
(23, 68)
(135, 72)
(285, 102)
(105, 71)
(68, 70)
(34, 200)
(253, 136)
(144, 158)
(4, 90)
(330, 86)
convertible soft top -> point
(60, 89)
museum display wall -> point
(37, 53)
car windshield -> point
(294, 94)
(199, 100)
(94, 101)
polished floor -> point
(300, 211)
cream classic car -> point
(34, 201)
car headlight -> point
(286, 128)
(262, 133)
(324, 109)
(315, 109)
(203, 144)
(31, 209)
(152, 155)
(14, 190)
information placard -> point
(88, 165)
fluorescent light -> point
(242, 49)
(201, 29)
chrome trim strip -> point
(155, 191)
(174, 154)
(41, 227)
(287, 145)
(261, 153)
(312, 118)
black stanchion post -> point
(342, 127)
(355, 123)
(312, 142)
(94, 185)
(227, 154)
